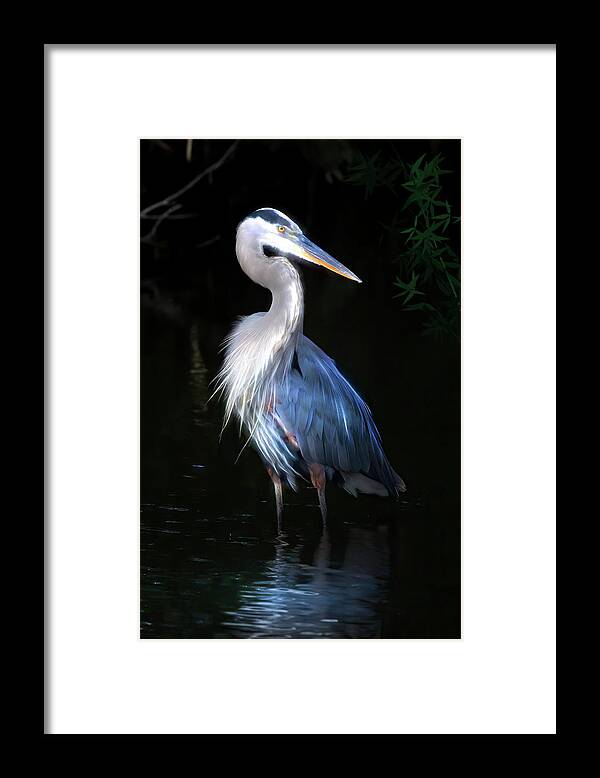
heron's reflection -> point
(323, 586)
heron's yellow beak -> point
(312, 253)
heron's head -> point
(267, 240)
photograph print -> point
(300, 388)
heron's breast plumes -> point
(257, 360)
(243, 379)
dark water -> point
(213, 563)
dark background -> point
(212, 563)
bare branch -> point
(176, 217)
(208, 242)
(149, 237)
(168, 200)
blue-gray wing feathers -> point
(332, 425)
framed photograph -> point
(302, 424)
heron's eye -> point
(281, 229)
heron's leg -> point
(319, 481)
(322, 504)
(278, 493)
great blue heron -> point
(297, 409)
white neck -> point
(286, 314)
